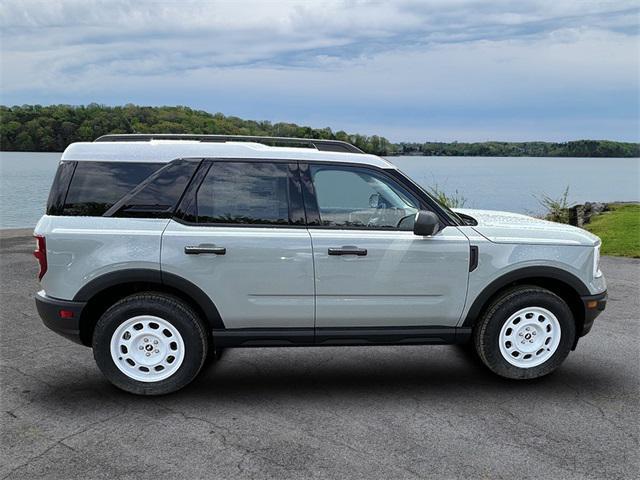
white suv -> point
(159, 250)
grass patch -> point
(619, 230)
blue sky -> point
(409, 70)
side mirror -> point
(426, 224)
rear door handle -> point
(348, 250)
(198, 249)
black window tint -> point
(157, 195)
(96, 186)
(58, 192)
(363, 198)
(245, 193)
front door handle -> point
(198, 249)
(348, 250)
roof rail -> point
(318, 144)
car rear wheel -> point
(150, 344)
(525, 333)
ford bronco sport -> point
(159, 250)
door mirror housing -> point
(426, 224)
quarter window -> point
(96, 186)
(245, 193)
(361, 198)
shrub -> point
(455, 200)
(557, 209)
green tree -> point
(53, 127)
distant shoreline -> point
(50, 128)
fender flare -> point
(550, 273)
(144, 275)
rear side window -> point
(97, 186)
(245, 193)
(158, 195)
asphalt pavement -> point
(335, 413)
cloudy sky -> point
(405, 69)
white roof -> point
(167, 150)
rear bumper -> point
(49, 310)
(593, 306)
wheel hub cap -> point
(529, 337)
(147, 348)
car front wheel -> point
(150, 344)
(525, 333)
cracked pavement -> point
(366, 412)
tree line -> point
(37, 128)
(577, 148)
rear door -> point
(243, 241)
(371, 270)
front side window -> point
(244, 193)
(361, 198)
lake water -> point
(493, 183)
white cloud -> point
(404, 63)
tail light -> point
(41, 254)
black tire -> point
(171, 309)
(486, 335)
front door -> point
(370, 268)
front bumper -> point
(593, 306)
(51, 311)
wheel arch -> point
(103, 291)
(564, 284)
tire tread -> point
(484, 342)
(142, 300)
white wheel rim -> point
(147, 348)
(529, 337)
